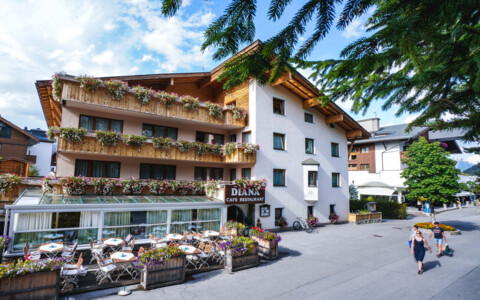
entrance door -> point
(235, 213)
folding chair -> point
(128, 247)
(105, 270)
(95, 248)
(70, 272)
(32, 253)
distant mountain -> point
(463, 165)
(475, 170)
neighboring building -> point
(374, 166)
(14, 143)
(42, 150)
(303, 147)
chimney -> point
(371, 125)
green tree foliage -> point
(421, 57)
(430, 174)
(33, 171)
(353, 192)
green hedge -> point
(390, 210)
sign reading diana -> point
(235, 195)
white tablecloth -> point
(122, 255)
(211, 233)
(51, 247)
(113, 242)
(174, 237)
(188, 249)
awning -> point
(376, 191)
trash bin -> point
(427, 207)
(371, 206)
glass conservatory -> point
(38, 217)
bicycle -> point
(301, 223)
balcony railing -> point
(72, 92)
(90, 145)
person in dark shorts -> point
(439, 236)
(418, 250)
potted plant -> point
(333, 217)
(214, 110)
(267, 242)
(142, 94)
(71, 134)
(237, 228)
(104, 186)
(4, 242)
(281, 222)
(190, 103)
(240, 253)
(116, 89)
(312, 220)
(74, 185)
(89, 83)
(132, 186)
(162, 266)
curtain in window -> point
(98, 169)
(117, 218)
(32, 221)
(208, 214)
(159, 131)
(86, 122)
(90, 219)
(217, 173)
(309, 146)
(277, 141)
(144, 171)
(247, 173)
(170, 173)
(209, 226)
(334, 179)
(199, 173)
(181, 215)
(247, 137)
(147, 131)
(172, 133)
(81, 168)
(116, 126)
(101, 124)
(156, 217)
(158, 171)
(278, 178)
(334, 149)
(113, 170)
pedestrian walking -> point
(419, 205)
(418, 250)
(412, 235)
(439, 236)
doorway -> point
(235, 213)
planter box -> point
(266, 249)
(169, 273)
(40, 285)
(237, 263)
(365, 218)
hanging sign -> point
(234, 195)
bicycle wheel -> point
(309, 228)
(297, 226)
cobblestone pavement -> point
(346, 261)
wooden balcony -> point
(90, 145)
(72, 92)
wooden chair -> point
(33, 253)
(70, 272)
(129, 248)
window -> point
(334, 150)
(278, 106)
(308, 118)
(278, 213)
(310, 210)
(204, 173)
(278, 141)
(364, 150)
(93, 168)
(278, 177)
(65, 219)
(246, 137)
(138, 223)
(151, 171)
(353, 157)
(233, 138)
(335, 179)
(159, 131)
(95, 123)
(332, 125)
(195, 219)
(5, 131)
(312, 178)
(352, 166)
(354, 150)
(309, 146)
(209, 138)
(247, 173)
(233, 174)
(365, 166)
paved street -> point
(349, 262)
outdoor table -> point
(124, 261)
(210, 233)
(51, 250)
(174, 237)
(114, 243)
(190, 250)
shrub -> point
(9, 182)
(74, 185)
(390, 210)
(162, 143)
(430, 226)
(229, 148)
(183, 146)
(104, 186)
(190, 103)
(71, 134)
(134, 140)
(142, 94)
(89, 83)
(132, 186)
(109, 138)
(33, 171)
(116, 89)
(215, 110)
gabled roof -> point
(310, 162)
(26, 133)
(394, 133)
(41, 135)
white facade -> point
(291, 197)
(43, 151)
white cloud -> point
(410, 118)
(147, 57)
(473, 159)
(354, 29)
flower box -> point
(365, 218)
(237, 263)
(266, 249)
(171, 272)
(39, 285)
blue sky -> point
(38, 38)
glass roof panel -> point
(125, 199)
(91, 200)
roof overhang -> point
(24, 132)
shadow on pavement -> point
(284, 252)
(429, 265)
(463, 226)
